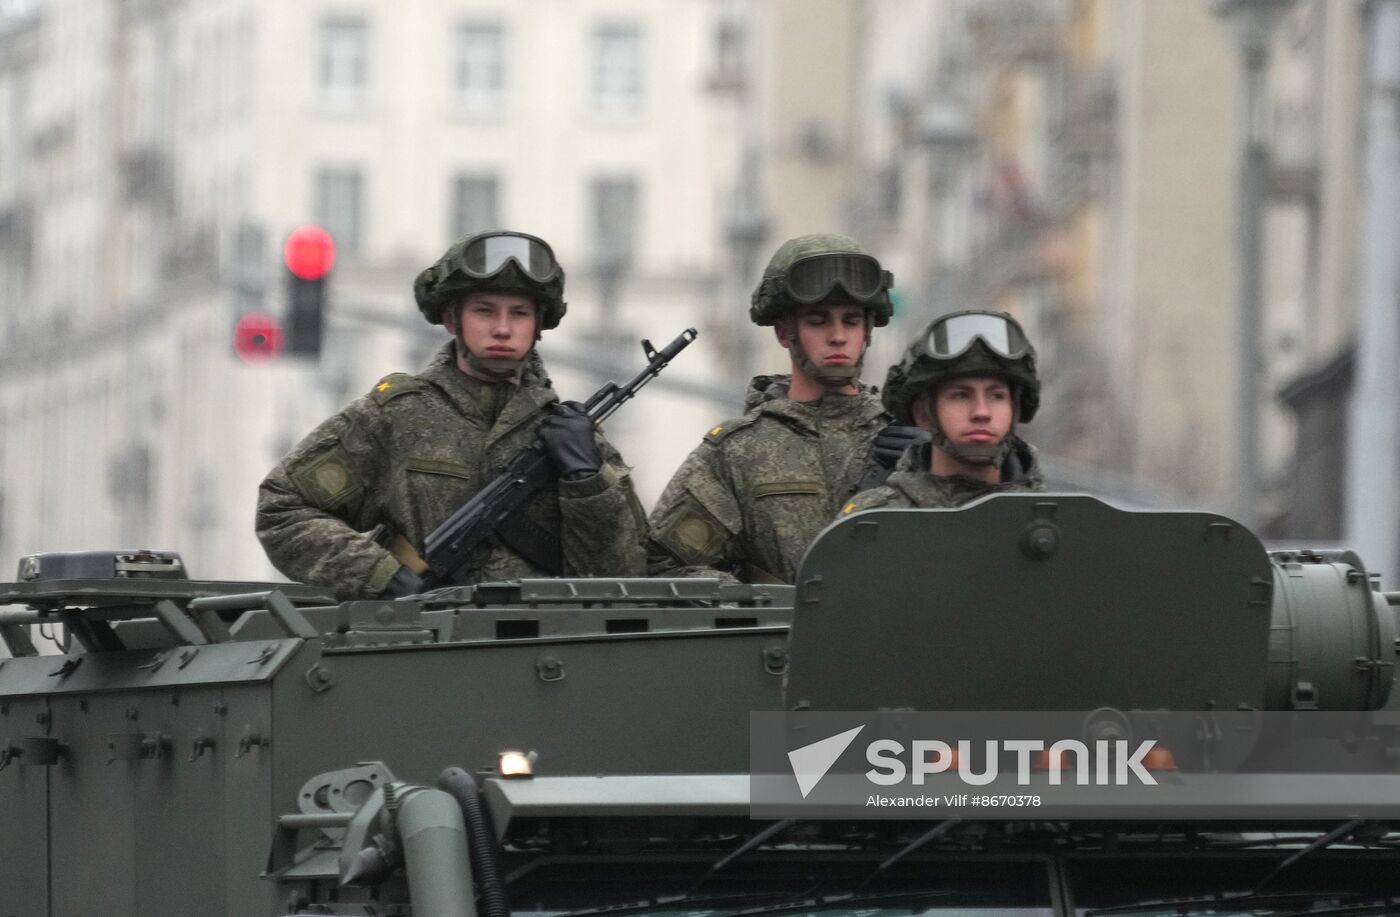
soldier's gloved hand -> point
(404, 582)
(568, 440)
(894, 439)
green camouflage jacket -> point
(413, 450)
(912, 485)
(757, 490)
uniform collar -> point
(769, 395)
(912, 477)
(469, 394)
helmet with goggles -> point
(971, 343)
(494, 262)
(821, 269)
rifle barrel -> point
(620, 395)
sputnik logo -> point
(811, 762)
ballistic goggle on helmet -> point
(496, 262)
(817, 268)
(971, 343)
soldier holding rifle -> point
(400, 460)
(751, 497)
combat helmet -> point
(807, 270)
(495, 262)
(970, 343)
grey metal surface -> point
(203, 747)
(951, 609)
(699, 795)
(24, 802)
(1332, 645)
(435, 854)
(85, 673)
(175, 762)
(123, 592)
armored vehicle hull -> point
(224, 748)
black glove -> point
(404, 582)
(891, 442)
(568, 440)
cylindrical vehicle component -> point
(435, 853)
(1332, 640)
(301, 821)
(482, 838)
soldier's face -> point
(830, 335)
(495, 325)
(976, 409)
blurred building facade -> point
(1033, 181)
(1317, 247)
(1074, 162)
(155, 153)
(1077, 163)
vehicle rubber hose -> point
(481, 840)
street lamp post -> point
(1252, 23)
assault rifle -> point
(448, 548)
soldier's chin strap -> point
(831, 378)
(978, 454)
(494, 368)
(973, 453)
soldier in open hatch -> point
(398, 461)
(968, 380)
(756, 491)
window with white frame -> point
(342, 61)
(479, 68)
(613, 206)
(476, 201)
(618, 78)
(340, 208)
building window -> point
(613, 202)
(478, 72)
(618, 80)
(728, 71)
(339, 208)
(476, 201)
(342, 64)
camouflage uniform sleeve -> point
(604, 526)
(880, 497)
(696, 523)
(315, 507)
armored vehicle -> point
(583, 746)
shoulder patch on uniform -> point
(394, 385)
(325, 477)
(719, 432)
(693, 535)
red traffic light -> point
(309, 252)
(257, 337)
